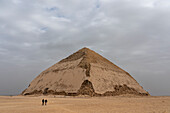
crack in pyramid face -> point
(68, 76)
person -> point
(42, 102)
(46, 102)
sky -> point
(133, 34)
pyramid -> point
(85, 72)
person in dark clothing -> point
(45, 102)
(42, 102)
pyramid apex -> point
(85, 48)
(80, 53)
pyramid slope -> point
(69, 75)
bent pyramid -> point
(85, 73)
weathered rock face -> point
(87, 73)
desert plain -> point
(63, 104)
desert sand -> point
(118, 104)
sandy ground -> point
(22, 104)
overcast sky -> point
(133, 34)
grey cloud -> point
(132, 34)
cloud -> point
(132, 34)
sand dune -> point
(25, 104)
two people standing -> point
(44, 102)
